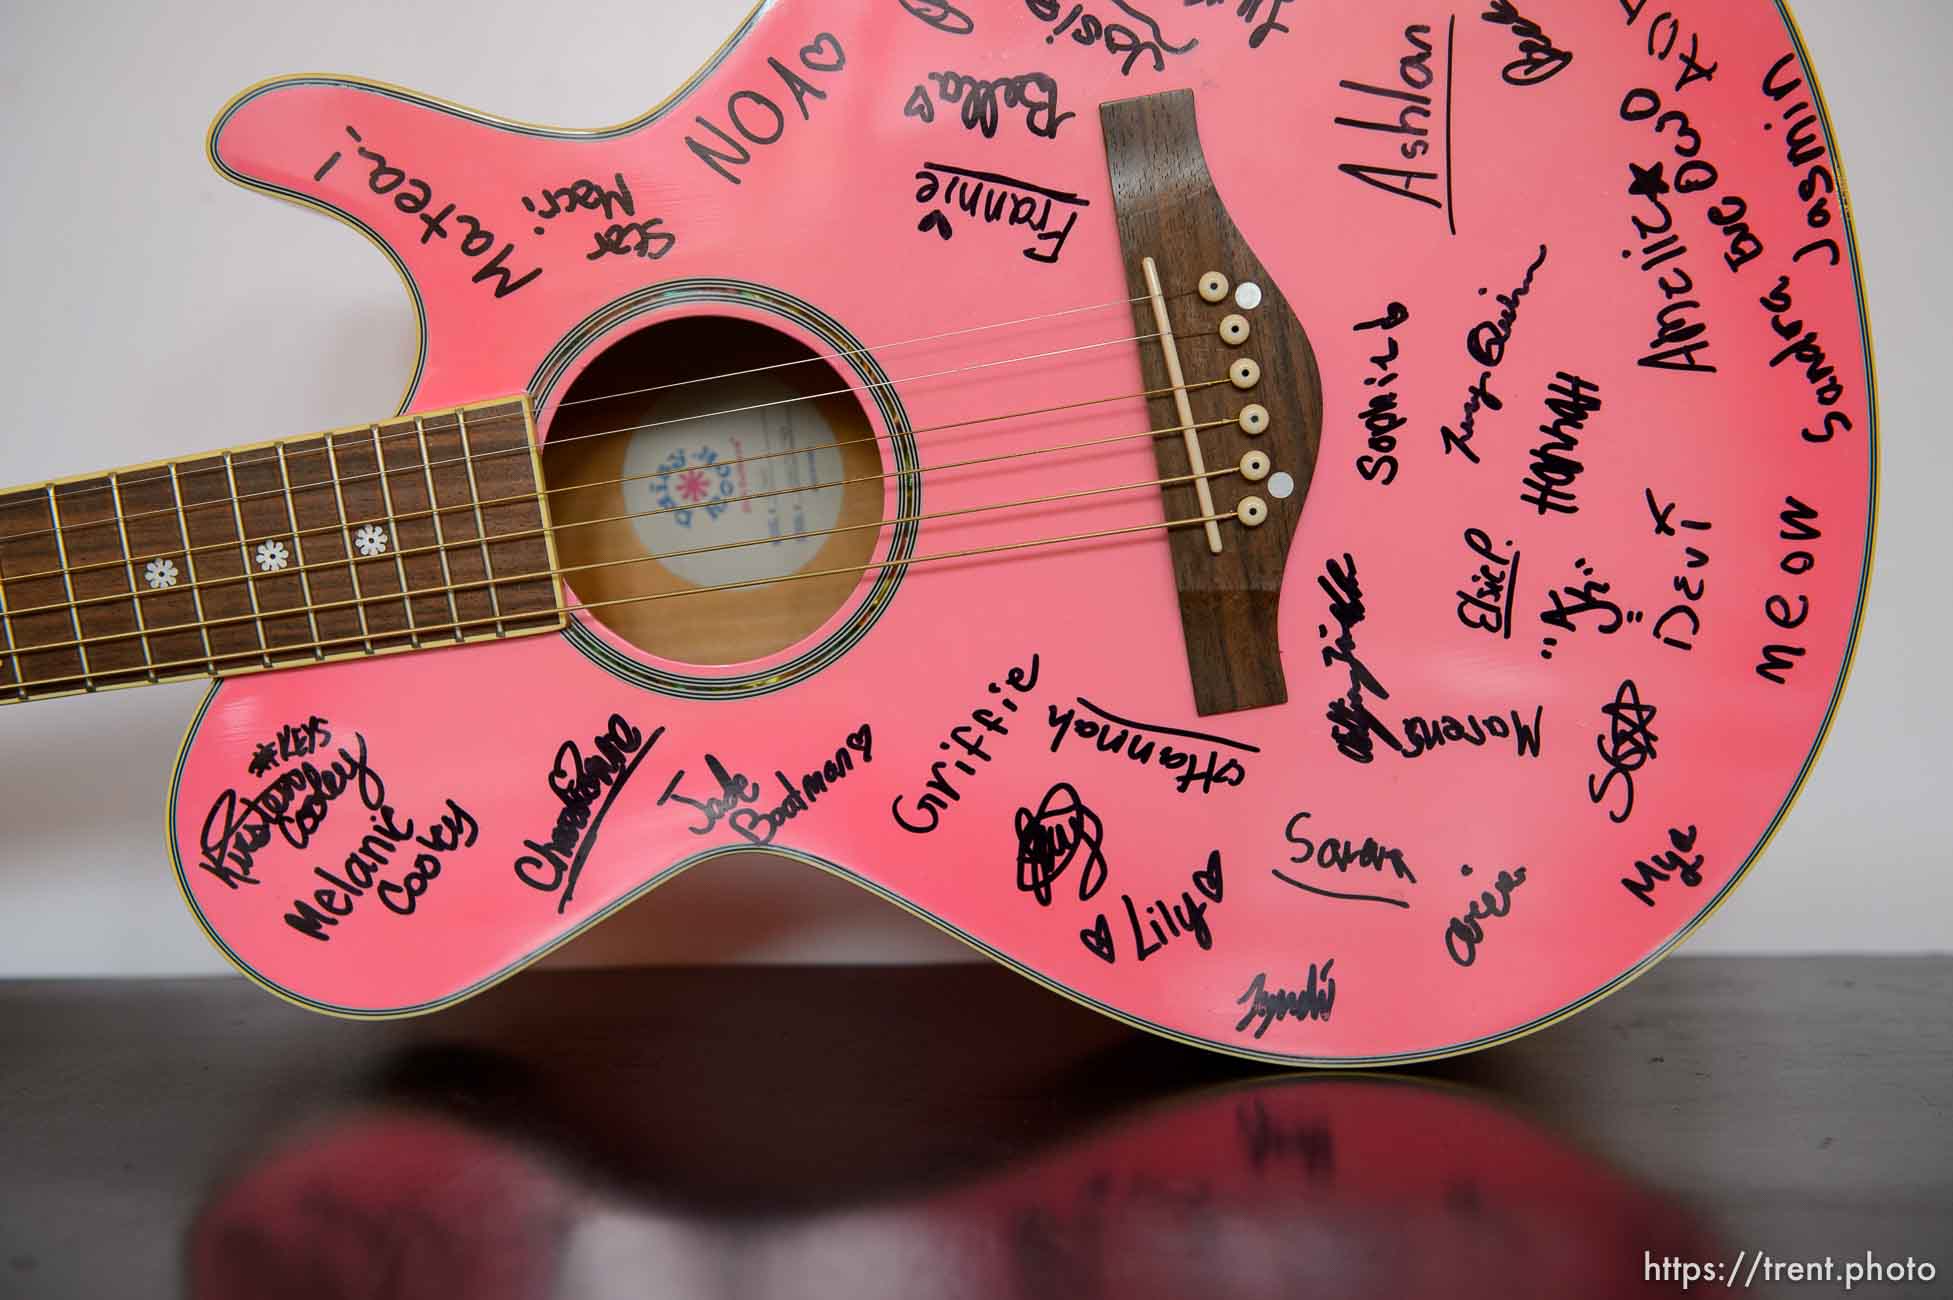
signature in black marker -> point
(1052, 838)
(1539, 59)
(1628, 746)
(760, 825)
(1313, 1000)
(1111, 734)
(1167, 921)
(736, 790)
(983, 101)
(1350, 720)
(297, 740)
(1329, 853)
(941, 15)
(1487, 607)
(1662, 865)
(1485, 343)
(294, 806)
(1118, 38)
(993, 198)
(1464, 933)
(449, 831)
(586, 787)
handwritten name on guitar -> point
(1331, 853)
(412, 196)
(294, 740)
(966, 741)
(982, 101)
(1399, 124)
(1539, 59)
(586, 786)
(1355, 727)
(995, 199)
(1485, 345)
(292, 807)
(647, 239)
(1130, 36)
(1380, 417)
(1313, 998)
(1165, 922)
(1464, 933)
(739, 801)
(756, 119)
(452, 829)
(1062, 831)
(295, 807)
(1195, 768)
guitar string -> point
(469, 543)
(346, 526)
(383, 472)
(295, 452)
(309, 609)
(264, 652)
(849, 352)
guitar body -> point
(1502, 782)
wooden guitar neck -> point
(428, 530)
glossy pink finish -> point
(828, 213)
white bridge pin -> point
(1254, 418)
(1213, 286)
(1234, 330)
(1244, 373)
(1252, 511)
(1255, 466)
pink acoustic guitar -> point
(1328, 532)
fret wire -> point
(393, 527)
(190, 564)
(244, 550)
(304, 578)
(346, 532)
(129, 563)
(561, 613)
(67, 581)
(481, 526)
(440, 537)
(7, 630)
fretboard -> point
(420, 532)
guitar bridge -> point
(1228, 365)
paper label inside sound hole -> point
(745, 476)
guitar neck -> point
(424, 531)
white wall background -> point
(138, 289)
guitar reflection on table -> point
(531, 1186)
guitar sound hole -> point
(679, 475)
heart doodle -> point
(1208, 879)
(825, 41)
(1098, 940)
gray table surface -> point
(942, 1131)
